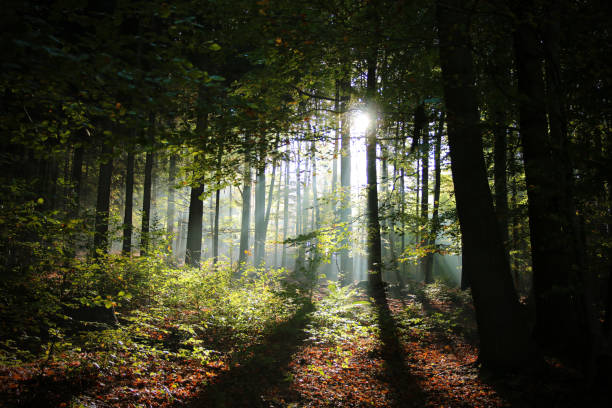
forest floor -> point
(420, 352)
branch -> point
(327, 98)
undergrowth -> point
(341, 315)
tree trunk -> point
(76, 177)
(504, 338)
(170, 212)
(103, 200)
(346, 261)
(435, 218)
(428, 261)
(128, 225)
(556, 310)
(277, 214)
(373, 224)
(193, 249)
(246, 216)
(315, 199)
(216, 227)
(260, 214)
(146, 205)
(285, 216)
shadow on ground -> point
(406, 389)
(259, 368)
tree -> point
(105, 174)
(128, 226)
(373, 222)
(504, 339)
(557, 316)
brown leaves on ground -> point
(441, 365)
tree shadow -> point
(397, 374)
(259, 368)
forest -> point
(305, 203)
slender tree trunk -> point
(435, 218)
(128, 225)
(277, 215)
(336, 124)
(384, 182)
(504, 338)
(298, 195)
(403, 204)
(373, 223)
(76, 177)
(285, 216)
(346, 261)
(216, 227)
(170, 212)
(246, 216)
(146, 205)
(231, 218)
(428, 260)
(193, 250)
(260, 213)
(103, 200)
(315, 199)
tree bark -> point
(435, 217)
(373, 223)
(346, 261)
(193, 250)
(146, 205)
(260, 214)
(128, 225)
(76, 177)
(103, 200)
(424, 149)
(285, 216)
(171, 210)
(504, 338)
(246, 216)
(556, 309)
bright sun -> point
(360, 121)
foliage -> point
(342, 315)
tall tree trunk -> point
(128, 225)
(285, 216)
(146, 204)
(384, 182)
(504, 338)
(76, 177)
(193, 249)
(556, 309)
(260, 213)
(215, 231)
(428, 261)
(315, 199)
(373, 224)
(435, 218)
(171, 210)
(231, 218)
(346, 261)
(246, 216)
(216, 227)
(277, 215)
(103, 200)
(403, 204)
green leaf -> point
(214, 47)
